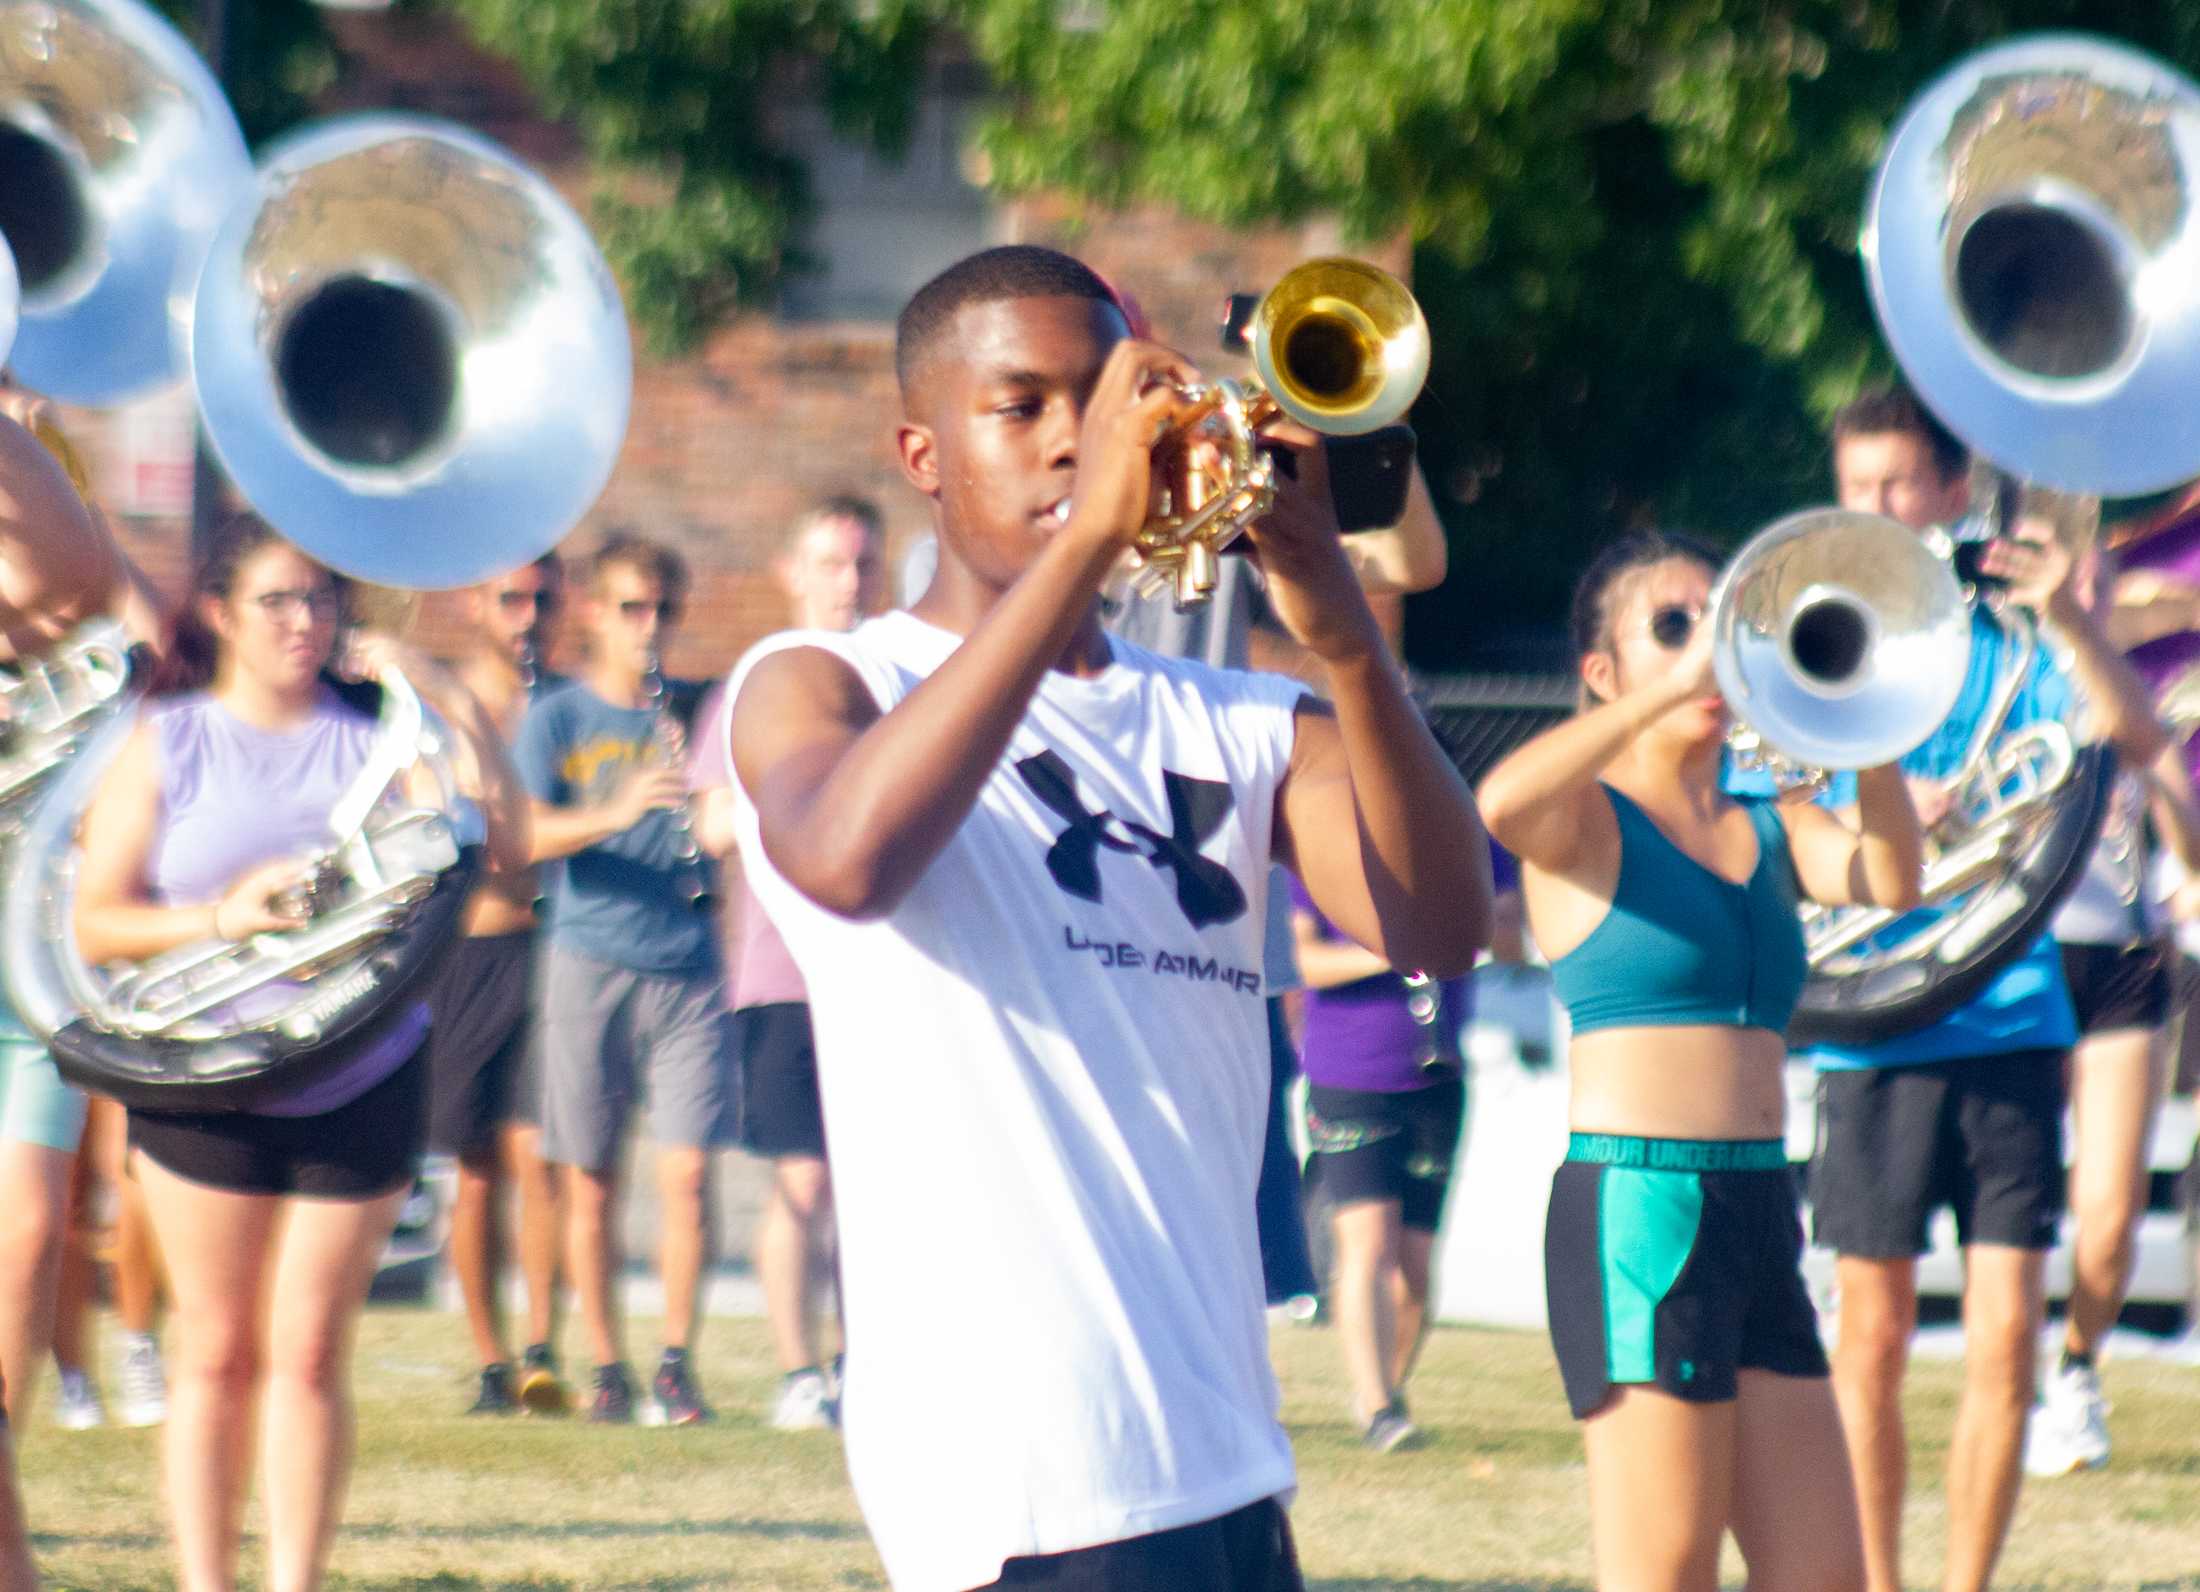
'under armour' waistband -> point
(1679, 1155)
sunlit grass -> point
(1493, 1501)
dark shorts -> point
(2184, 978)
(1247, 1550)
(481, 1072)
(1399, 1145)
(2118, 986)
(1982, 1136)
(780, 1113)
(1676, 1263)
(358, 1151)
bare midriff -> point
(1699, 1081)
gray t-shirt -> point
(626, 900)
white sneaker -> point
(144, 1383)
(80, 1409)
(805, 1402)
(2069, 1426)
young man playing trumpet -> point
(1022, 867)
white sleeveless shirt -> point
(1045, 1081)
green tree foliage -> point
(274, 56)
(1634, 220)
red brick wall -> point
(726, 447)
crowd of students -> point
(1026, 871)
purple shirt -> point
(1362, 1036)
(233, 797)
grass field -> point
(1494, 1501)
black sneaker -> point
(1392, 1428)
(541, 1390)
(613, 1403)
(496, 1391)
(673, 1399)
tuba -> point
(377, 321)
(2029, 245)
(118, 157)
(1339, 346)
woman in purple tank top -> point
(194, 834)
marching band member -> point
(484, 1087)
(832, 570)
(2117, 954)
(58, 568)
(630, 984)
(1966, 1111)
(1685, 1336)
(272, 1220)
(1022, 866)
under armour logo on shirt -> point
(1205, 889)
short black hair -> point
(1893, 408)
(1012, 271)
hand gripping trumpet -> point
(1339, 346)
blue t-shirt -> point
(2027, 1006)
(626, 900)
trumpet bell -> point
(2033, 251)
(1340, 346)
(1840, 638)
(118, 158)
(410, 355)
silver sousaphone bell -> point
(2033, 252)
(409, 353)
(1839, 640)
(118, 158)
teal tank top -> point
(1681, 945)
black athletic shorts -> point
(1247, 1550)
(481, 1070)
(1675, 1263)
(2118, 986)
(1371, 1144)
(356, 1152)
(780, 1112)
(1982, 1135)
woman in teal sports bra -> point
(1685, 1337)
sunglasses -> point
(514, 601)
(635, 612)
(1672, 625)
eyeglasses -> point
(635, 612)
(1672, 625)
(283, 605)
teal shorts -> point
(1675, 1263)
(36, 1107)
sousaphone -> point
(413, 362)
(2030, 246)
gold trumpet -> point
(1338, 345)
